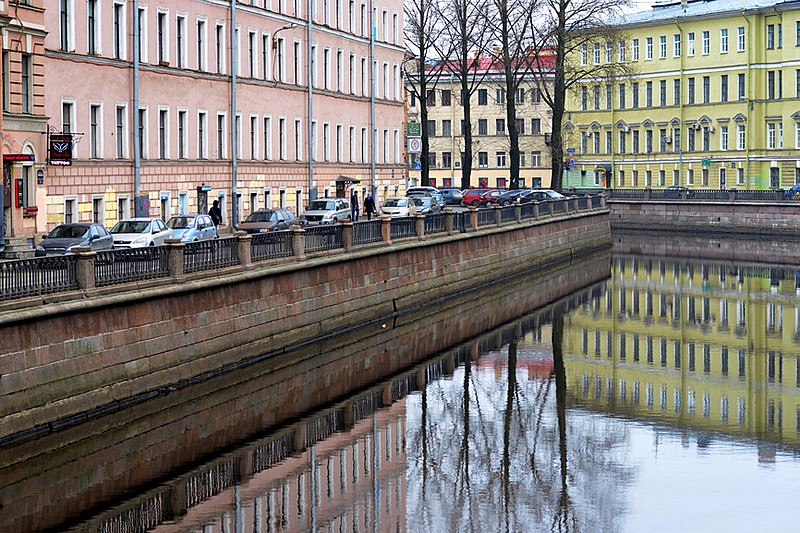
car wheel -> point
(475, 203)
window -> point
(770, 36)
(723, 88)
(252, 53)
(690, 94)
(596, 53)
(609, 53)
(662, 147)
(662, 95)
(501, 159)
(676, 42)
(635, 141)
(220, 48)
(298, 139)
(519, 97)
(500, 126)
(447, 128)
(483, 159)
(706, 43)
(706, 89)
(282, 147)
(536, 126)
(740, 136)
(690, 138)
(202, 135)
(723, 138)
(483, 126)
(183, 125)
(143, 138)
(648, 141)
(500, 96)
(253, 137)
(635, 94)
(723, 41)
(92, 26)
(621, 51)
(584, 98)
(267, 142)
(66, 24)
(740, 42)
(26, 87)
(95, 131)
(635, 49)
(742, 86)
(609, 146)
(690, 43)
(447, 159)
(446, 97)
(584, 52)
(648, 51)
(163, 134)
(220, 152)
(482, 97)
(649, 94)
(202, 52)
(163, 38)
(121, 130)
(676, 91)
(622, 141)
(608, 96)
(119, 30)
(596, 94)
(431, 127)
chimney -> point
(684, 3)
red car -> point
(491, 197)
(473, 196)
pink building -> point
(163, 127)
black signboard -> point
(60, 149)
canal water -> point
(663, 398)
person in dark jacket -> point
(354, 207)
(215, 213)
(369, 206)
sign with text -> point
(60, 149)
(414, 129)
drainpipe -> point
(137, 156)
(234, 132)
(311, 192)
(373, 133)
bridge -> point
(92, 333)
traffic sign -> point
(570, 150)
(414, 145)
(414, 129)
(706, 162)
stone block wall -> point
(64, 359)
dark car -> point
(675, 191)
(473, 196)
(268, 220)
(792, 193)
(540, 195)
(451, 196)
(65, 237)
(510, 197)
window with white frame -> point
(162, 37)
(144, 138)
(396, 146)
(621, 51)
(181, 48)
(119, 31)
(219, 47)
(584, 54)
(723, 138)
(676, 45)
(706, 43)
(201, 45)
(121, 130)
(163, 133)
(282, 149)
(266, 56)
(690, 43)
(92, 27)
(183, 133)
(662, 47)
(143, 34)
(635, 49)
(740, 136)
(252, 54)
(95, 130)
(298, 139)
(723, 41)
(648, 48)
(609, 53)
(352, 144)
(596, 53)
(202, 134)
(267, 141)
(221, 146)
(740, 39)
(339, 143)
(253, 137)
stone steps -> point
(17, 248)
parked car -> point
(490, 197)
(472, 196)
(267, 220)
(539, 195)
(675, 191)
(140, 233)
(64, 237)
(414, 191)
(792, 193)
(427, 205)
(451, 196)
(326, 211)
(439, 199)
(192, 228)
(510, 197)
(400, 207)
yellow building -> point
(705, 345)
(491, 144)
(712, 101)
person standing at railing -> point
(369, 206)
(354, 207)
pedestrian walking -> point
(369, 206)
(354, 207)
(215, 213)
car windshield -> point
(322, 205)
(69, 232)
(181, 222)
(395, 202)
(262, 216)
(131, 226)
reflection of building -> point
(491, 157)
(708, 345)
(710, 101)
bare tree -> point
(565, 33)
(420, 33)
(463, 43)
(511, 22)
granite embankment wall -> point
(65, 360)
(738, 218)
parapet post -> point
(535, 210)
(449, 218)
(518, 212)
(648, 193)
(603, 201)
(732, 195)
(420, 226)
(473, 218)
(347, 236)
(574, 205)
(175, 261)
(84, 268)
(498, 215)
(245, 243)
(298, 242)
(386, 230)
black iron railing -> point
(325, 237)
(434, 223)
(403, 227)
(135, 264)
(486, 216)
(32, 277)
(365, 232)
(271, 245)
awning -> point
(346, 180)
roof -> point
(672, 9)
(544, 61)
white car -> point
(399, 207)
(140, 233)
(326, 211)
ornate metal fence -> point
(135, 264)
(434, 223)
(320, 238)
(403, 227)
(31, 277)
(367, 231)
(508, 213)
(211, 254)
(271, 245)
(486, 216)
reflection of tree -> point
(496, 450)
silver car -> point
(191, 228)
(326, 211)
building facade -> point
(169, 106)
(491, 144)
(24, 122)
(712, 101)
